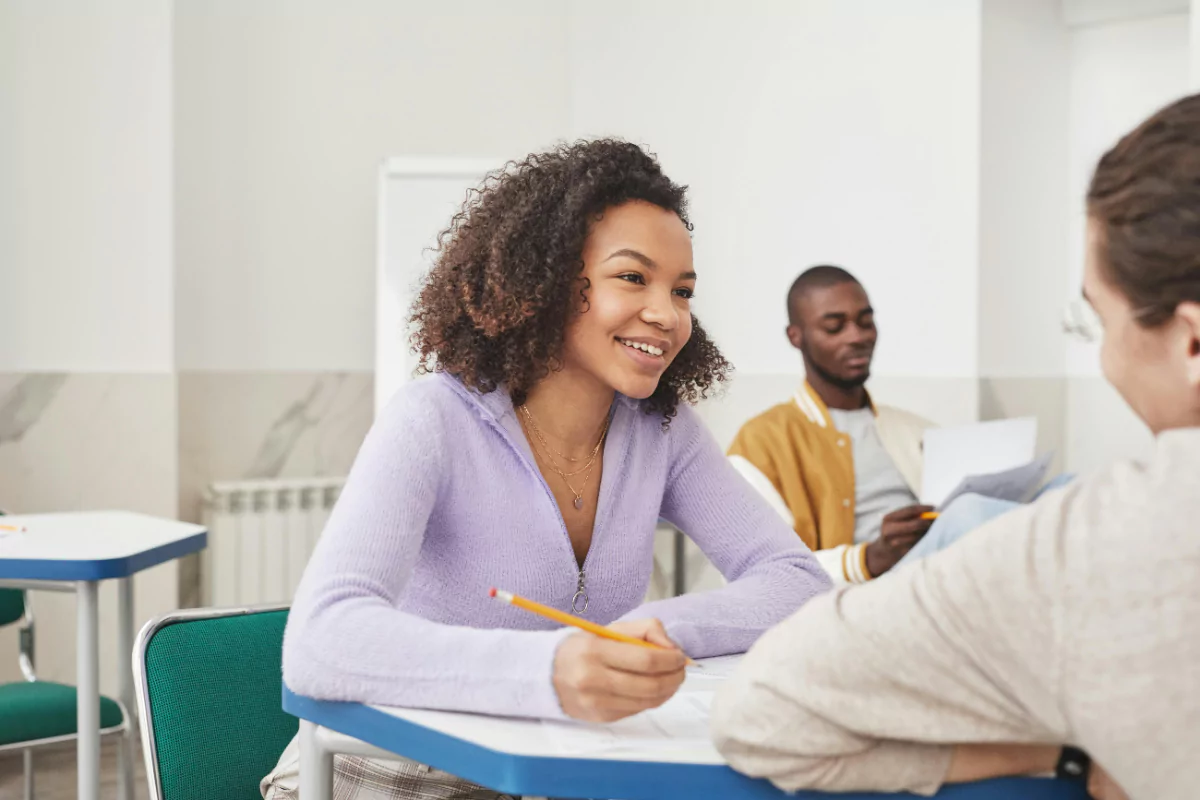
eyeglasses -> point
(1080, 320)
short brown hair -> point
(494, 308)
(1145, 194)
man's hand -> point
(901, 529)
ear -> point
(795, 336)
(1189, 314)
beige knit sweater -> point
(1074, 620)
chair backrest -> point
(210, 693)
(12, 606)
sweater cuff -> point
(909, 766)
(830, 560)
(542, 698)
(854, 563)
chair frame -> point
(26, 658)
(145, 635)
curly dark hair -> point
(494, 308)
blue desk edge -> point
(580, 777)
(101, 569)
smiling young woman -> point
(552, 432)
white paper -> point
(679, 725)
(719, 668)
(1016, 485)
(954, 454)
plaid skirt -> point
(356, 778)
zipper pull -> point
(579, 601)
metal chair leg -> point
(28, 775)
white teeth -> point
(645, 348)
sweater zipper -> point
(579, 600)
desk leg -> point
(125, 675)
(88, 699)
(316, 764)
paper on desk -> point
(718, 668)
(952, 455)
(1017, 484)
(681, 723)
(679, 726)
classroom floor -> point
(54, 773)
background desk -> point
(517, 757)
(74, 552)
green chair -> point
(34, 713)
(210, 689)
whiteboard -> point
(417, 198)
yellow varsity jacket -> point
(795, 457)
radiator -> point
(260, 535)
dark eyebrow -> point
(842, 315)
(641, 258)
(646, 261)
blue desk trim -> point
(580, 777)
(100, 569)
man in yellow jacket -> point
(843, 471)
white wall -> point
(824, 130)
(285, 111)
(1194, 45)
(85, 198)
(1080, 13)
(86, 282)
(1120, 73)
(1023, 171)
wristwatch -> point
(1073, 765)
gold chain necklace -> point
(546, 449)
(591, 460)
(546, 445)
(538, 432)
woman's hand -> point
(599, 680)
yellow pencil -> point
(13, 528)
(930, 515)
(577, 622)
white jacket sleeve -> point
(840, 571)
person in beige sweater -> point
(1071, 622)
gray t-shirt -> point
(879, 488)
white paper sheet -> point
(720, 667)
(954, 454)
(1016, 485)
(679, 726)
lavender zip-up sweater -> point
(445, 500)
